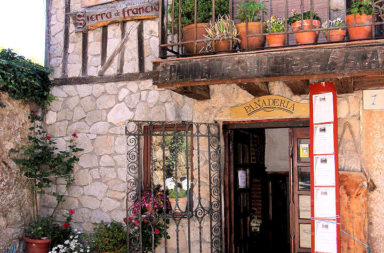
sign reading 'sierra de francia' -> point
(100, 15)
(270, 106)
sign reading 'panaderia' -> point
(270, 106)
(97, 16)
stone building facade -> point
(98, 111)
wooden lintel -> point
(255, 89)
(298, 87)
(195, 92)
(343, 85)
(104, 79)
(369, 83)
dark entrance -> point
(262, 216)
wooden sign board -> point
(89, 3)
(270, 106)
(373, 99)
(92, 18)
(307, 63)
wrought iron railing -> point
(177, 19)
(178, 162)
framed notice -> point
(325, 204)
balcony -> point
(208, 27)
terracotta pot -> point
(37, 246)
(335, 35)
(222, 46)
(256, 42)
(303, 37)
(276, 40)
(189, 34)
(360, 32)
(182, 204)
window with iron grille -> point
(174, 187)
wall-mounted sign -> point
(97, 16)
(373, 99)
(270, 106)
(88, 3)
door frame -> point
(228, 175)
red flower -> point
(157, 231)
(74, 135)
(71, 211)
(137, 222)
(48, 137)
(125, 220)
(66, 225)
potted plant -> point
(250, 13)
(333, 31)
(275, 25)
(178, 193)
(203, 16)
(358, 14)
(222, 31)
(110, 237)
(300, 26)
(41, 163)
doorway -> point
(267, 199)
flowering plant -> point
(61, 233)
(361, 7)
(334, 24)
(72, 245)
(295, 16)
(275, 25)
(177, 189)
(154, 202)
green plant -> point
(23, 79)
(275, 25)
(41, 229)
(361, 7)
(41, 162)
(204, 12)
(61, 233)
(223, 28)
(250, 11)
(333, 24)
(306, 15)
(108, 237)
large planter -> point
(276, 40)
(303, 37)
(37, 246)
(182, 204)
(360, 32)
(189, 33)
(335, 35)
(256, 42)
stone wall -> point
(15, 197)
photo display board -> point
(325, 205)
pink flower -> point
(157, 231)
(48, 137)
(71, 211)
(293, 10)
(66, 225)
(74, 135)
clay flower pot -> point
(189, 34)
(182, 203)
(360, 32)
(256, 42)
(276, 40)
(335, 35)
(303, 37)
(222, 46)
(37, 246)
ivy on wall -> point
(23, 79)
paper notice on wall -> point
(323, 141)
(325, 237)
(325, 202)
(323, 108)
(324, 170)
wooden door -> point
(300, 190)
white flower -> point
(169, 183)
(66, 242)
(186, 184)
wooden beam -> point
(368, 83)
(64, 64)
(48, 11)
(104, 79)
(84, 54)
(140, 46)
(343, 85)
(298, 87)
(195, 92)
(255, 89)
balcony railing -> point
(184, 26)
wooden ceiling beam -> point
(196, 92)
(368, 83)
(343, 85)
(255, 89)
(298, 87)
